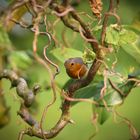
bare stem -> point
(111, 12)
(62, 11)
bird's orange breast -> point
(75, 69)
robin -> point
(76, 68)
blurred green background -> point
(82, 112)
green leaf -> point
(92, 91)
(126, 63)
(20, 59)
(89, 91)
(103, 114)
(88, 56)
(119, 37)
(112, 35)
(133, 50)
(130, 43)
(135, 74)
(113, 98)
(65, 53)
(127, 37)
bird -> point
(76, 68)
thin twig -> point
(83, 36)
(64, 13)
(52, 63)
(134, 79)
(103, 90)
(135, 135)
(111, 12)
(75, 16)
(50, 74)
(64, 94)
(95, 123)
(42, 62)
(30, 11)
(87, 15)
(114, 15)
(65, 116)
(116, 88)
(45, 48)
(114, 63)
(21, 134)
(87, 32)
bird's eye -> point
(72, 64)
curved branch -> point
(111, 12)
(86, 31)
(65, 116)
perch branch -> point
(65, 116)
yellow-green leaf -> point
(63, 54)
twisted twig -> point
(135, 135)
(69, 9)
(111, 12)
(90, 38)
(64, 95)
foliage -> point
(112, 62)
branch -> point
(69, 9)
(65, 116)
(134, 134)
(111, 12)
(22, 89)
(86, 31)
(116, 88)
(63, 93)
